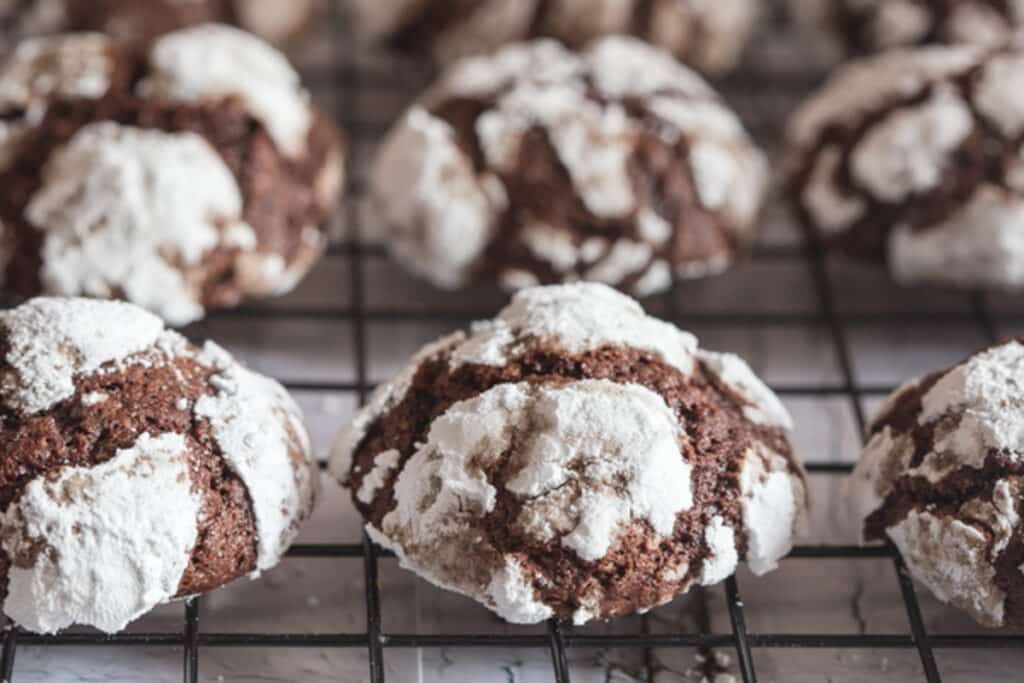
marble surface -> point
(779, 331)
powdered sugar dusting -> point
(999, 94)
(970, 412)
(210, 62)
(907, 152)
(160, 201)
(123, 530)
(773, 504)
(588, 464)
(42, 70)
(262, 438)
(575, 318)
(513, 595)
(615, 449)
(383, 465)
(52, 341)
(986, 394)
(384, 397)
(616, 446)
(979, 245)
(762, 406)
(587, 105)
(442, 220)
(951, 558)
(721, 564)
(884, 459)
(863, 86)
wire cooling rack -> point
(354, 85)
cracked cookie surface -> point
(914, 159)
(862, 27)
(941, 478)
(537, 165)
(136, 467)
(197, 160)
(574, 458)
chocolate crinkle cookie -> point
(866, 26)
(710, 36)
(574, 458)
(537, 165)
(187, 176)
(144, 20)
(915, 159)
(942, 478)
(136, 467)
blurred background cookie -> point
(574, 458)
(843, 27)
(709, 36)
(143, 20)
(941, 478)
(137, 467)
(540, 165)
(914, 159)
(185, 177)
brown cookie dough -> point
(914, 159)
(942, 477)
(709, 36)
(198, 161)
(136, 467)
(537, 165)
(574, 458)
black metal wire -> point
(559, 657)
(739, 630)
(9, 649)
(192, 640)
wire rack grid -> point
(341, 75)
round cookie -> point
(132, 20)
(942, 478)
(914, 159)
(184, 177)
(709, 36)
(137, 468)
(862, 27)
(574, 457)
(537, 165)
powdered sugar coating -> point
(122, 530)
(45, 69)
(890, 162)
(614, 449)
(51, 341)
(585, 467)
(964, 440)
(708, 35)
(573, 318)
(42, 70)
(442, 221)
(773, 503)
(597, 109)
(721, 539)
(955, 556)
(260, 432)
(161, 201)
(113, 571)
(212, 61)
